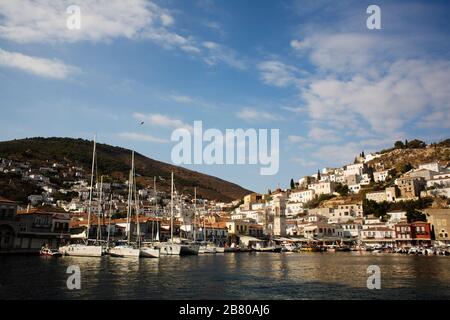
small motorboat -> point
(45, 251)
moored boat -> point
(45, 251)
(149, 251)
(124, 251)
(82, 250)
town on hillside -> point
(365, 205)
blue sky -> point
(309, 68)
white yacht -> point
(87, 249)
(149, 251)
(82, 250)
(207, 248)
(124, 251)
(176, 248)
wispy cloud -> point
(304, 162)
(296, 139)
(278, 74)
(162, 120)
(249, 114)
(49, 68)
(43, 21)
(220, 53)
(134, 136)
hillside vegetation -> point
(115, 163)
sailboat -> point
(206, 247)
(148, 250)
(90, 248)
(125, 249)
(170, 247)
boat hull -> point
(124, 252)
(81, 251)
(189, 249)
(149, 252)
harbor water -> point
(228, 276)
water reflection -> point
(228, 276)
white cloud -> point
(49, 68)
(181, 99)
(277, 73)
(140, 137)
(320, 134)
(255, 115)
(45, 21)
(296, 139)
(304, 162)
(220, 53)
(408, 90)
(162, 121)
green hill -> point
(115, 163)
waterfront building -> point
(27, 231)
(413, 234)
(245, 228)
(351, 230)
(439, 220)
(279, 224)
(322, 230)
(378, 235)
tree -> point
(406, 144)
(318, 175)
(414, 215)
(292, 184)
(342, 189)
(399, 145)
(416, 144)
(362, 154)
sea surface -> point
(340, 275)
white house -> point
(381, 176)
(433, 166)
(396, 216)
(302, 196)
(378, 235)
(354, 188)
(357, 168)
(377, 196)
(322, 187)
(294, 208)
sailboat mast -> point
(204, 225)
(109, 220)
(130, 181)
(156, 206)
(171, 209)
(100, 210)
(136, 204)
(91, 187)
(195, 213)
